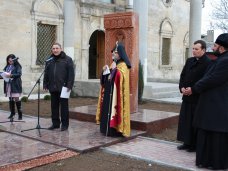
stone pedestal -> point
(123, 27)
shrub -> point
(47, 97)
(24, 99)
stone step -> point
(151, 121)
(154, 90)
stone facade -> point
(18, 25)
(168, 22)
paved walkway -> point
(155, 151)
(19, 143)
(17, 146)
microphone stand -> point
(38, 104)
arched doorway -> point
(96, 54)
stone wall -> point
(178, 16)
(18, 20)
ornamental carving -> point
(123, 27)
(168, 3)
(121, 21)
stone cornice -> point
(121, 20)
(96, 8)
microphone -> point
(15, 59)
(49, 59)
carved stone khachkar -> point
(123, 27)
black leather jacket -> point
(59, 72)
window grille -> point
(46, 37)
(166, 51)
(186, 53)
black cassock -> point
(108, 83)
(193, 71)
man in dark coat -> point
(211, 117)
(193, 71)
(59, 73)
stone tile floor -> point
(17, 146)
(18, 143)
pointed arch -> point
(166, 27)
(49, 3)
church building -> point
(30, 27)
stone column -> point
(141, 7)
(123, 27)
(195, 22)
(85, 46)
(69, 17)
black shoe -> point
(183, 147)
(64, 128)
(11, 116)
(200, 166)
(53, 127)
(191, 149)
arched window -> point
(47, 28)
(166, 34)
(186, 46)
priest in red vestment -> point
(113, 110)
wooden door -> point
(100, 52)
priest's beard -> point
(216, 52)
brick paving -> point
(155, 151)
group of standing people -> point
(203, 120)
(113, 112)
(58, 73)
(204, 114)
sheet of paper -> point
(106, 71)
(64, 93)
(4, 76)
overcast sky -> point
(206, 13)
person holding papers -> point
(59, 80)
(13, 84)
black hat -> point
(222, 40)
(122, 53)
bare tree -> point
(220, 15)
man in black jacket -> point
(193, 71)
(59, 73)
(211, 117)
